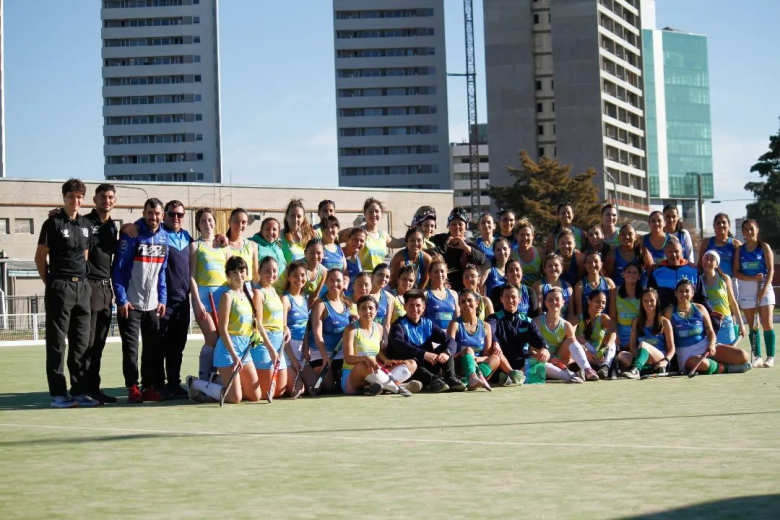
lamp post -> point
(614, 186)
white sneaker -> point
(759, 363)
(194, 395)
(769, 363)
(474, 382)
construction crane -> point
(471, 100)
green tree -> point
(540, 187)
(766, 209)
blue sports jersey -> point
(476, 341)
(441, 312)
(297, 318)
(726, 252)
(753, 262)
(687, 331)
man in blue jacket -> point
(413, 337)
(138, 276)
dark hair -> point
(654, 213)
(311, 243)
(622, 289)
(291, 267)
(325, 202)
(411, 231)
(606, 207)
(199, 214)
(680, 226)
(639, 258)
(513, 261)
(330, 219)
(498, 241)
(372, 200)
(586, 319)
(356, 230)
(267, 220)
(640, 323)
(408, 269)
(380, 267)
(153, 203)
(366, 298)
(414, 294)
(558, 228)
(753, 221)
(307, 232)
(466, 292)
(105, 187)
(683, 281)
(232, 214)
(264, 261)
(509, 285)
(236, 263)
(173, 204)
(342, 297)
(504, 211)
(723, 215)
(364, 274)
(591, 253)
(75, 186)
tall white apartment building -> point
(161, 113)
(2, 94)
(391, 93)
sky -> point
(278, 93)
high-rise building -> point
(391, 93)
(460, 165)
(564, 79)
(2, 94)
(161, 114)
(679, 132)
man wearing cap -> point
(61, 260)
(458, 252)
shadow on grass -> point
(761, 506)
(42, 400)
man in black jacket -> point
(414, 336)
(457, 252)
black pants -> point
(67, 316)
(145, 324)
(100, 322)
(173, 331)
(427, 371)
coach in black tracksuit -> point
(61, 260)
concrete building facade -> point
(161, 111)
(460, 165)
(2, 93)
(391, 93)
(564, 79)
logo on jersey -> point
(85, 232)
(151, 250)
(65, 233)
(95, 229)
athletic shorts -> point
(747, 295)
(222, 358)
(727, 335)
(346, 386)
(685, 353)
(262, 358)
(203, 294)
(296, 346)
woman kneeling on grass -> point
(296, 312)
(694, 337)
(363, 353)
(475, 343)
(269, 307)
(328, 319)
(651, 342)
(561, 343)
(596, 332)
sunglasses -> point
(174, 214)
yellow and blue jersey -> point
(374, 250)
(241, 315)
(367, 343)
(273, 310)
(210, 266)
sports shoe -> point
(150, 393)
(103, 397)
(176, 391)
(374, 389)
(412, 385)
(574, 378)
(517, 377)
(134, 395)
(455, 385)
(769, 362)
(591, 375)
(62, 401)
(474, 382)
(437, 385)
(632, 373)
(85, 401)
(759, 362)
(194, 395)
(738, 369)
(603, 372)
(504, 380)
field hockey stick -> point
(484, 381)
(693, 372)
(274, 375)
(401, 390)
(316, 388)
(298, 376)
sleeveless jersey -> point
(614, 240)
(753, 262)
(333, 259)
(718, 295)
(493, 280)
(657, 254)
(398, 307)
(487, 249)
(374, 250)
(597, 334)
(532, 270)
(297, 317)
(381, 307)
(620, 266)
(419, 264)
(210, 269)
(311, 285)
(476, 340)
(367, 343)
(292, 250)
(333, 325)
(627, 310)
(656, 340)
(567, 293)
(587, 289)
(726, 252)
(273, 310)
(241, 315)
(246, 253)
(440, 312)
(354, 268)
(570, 275)
(552, 338)
(687, 331)
(578, 238)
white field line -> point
(410, 440)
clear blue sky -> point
(278, 103)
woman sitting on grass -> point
(471, 281)
(652, 341)
(596, 332)
(594, 281)
(720, 293)
(328, 318)
(474, 339)
(296, 312)
(624, 308)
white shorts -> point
(747, 295)
(685, 353)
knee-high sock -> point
(609, 354)
(769, 339)
(578, 355)
(383, 379)
(469, 365)
(641, 358)
(205, 362)
(401, 373)
(554, 372)
(212, 390)
(755, 342)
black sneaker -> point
(176, 391)
(103, 397)
(437, 386)
(374, 389)
(456, 385)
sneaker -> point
(85, 401)
(374, 389)
(769, 363)
(575, 378)
(134, 395)
(150, 393)
(437, 385)
(591, 375)
(603, 372)
(474, 382)
(62, 401)
(759, 363)
(103, 397)
(517, 377)
(739, 369)
(194, 395)
(632, 373)
(504, 380)
(455, 385)
(176, 391)
(412, 385)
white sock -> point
(554, 372)
(578, 355)
(384, 380)
(211, 390)
(401, 373)
(609, 354)
(206, 362)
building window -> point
(200, 176)
(539, 130)
(23, 226)
(199, 137)
(196, 19)
(536, 18)
(196, 58)
(4, 226)
(541, 152)
(197, 78)
(196, 39)
(538, 85)
(539, 108)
